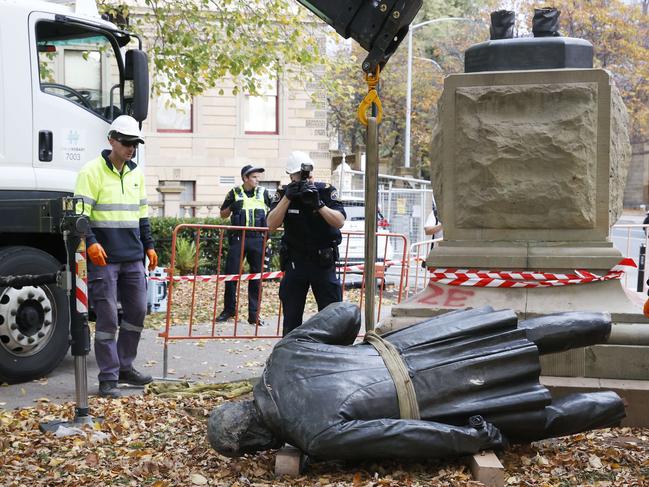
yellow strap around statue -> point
(372, 97)
(406, 395)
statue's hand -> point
(491, 435)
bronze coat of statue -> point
(335, 400)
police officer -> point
(312, 217)
(246, 205)
(114, 200)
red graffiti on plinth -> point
(448, 297)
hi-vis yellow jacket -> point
(253, 213)
(117, 208)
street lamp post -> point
(409, 79)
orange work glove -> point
(645, 310)
(153, 259)
(97, 254)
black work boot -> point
(224, 316)
(108, 388)
(134, 378)
(253, 320)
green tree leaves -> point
(196, 45)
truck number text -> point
(72, 156)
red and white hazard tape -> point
(223, 277)
(258, 275)
(491, 278)
(81, 279)
(361, 267)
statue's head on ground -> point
(236, 428)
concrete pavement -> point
(219, 360)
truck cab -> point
(65, 74)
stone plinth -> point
(529, 169)
(530, 156)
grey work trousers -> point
(126, 282)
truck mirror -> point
(136, 69)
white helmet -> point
(128, 127)
(295, 161)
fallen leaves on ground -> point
(161, 442)
(609, 457)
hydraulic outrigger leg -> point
(74, 228)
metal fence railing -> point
(194, 300)
(632, 240)
(404, 202)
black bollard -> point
(545, 22)
(641, 263)
(502, 24)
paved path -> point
(210, 361)
(202, 361)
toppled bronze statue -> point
(476, 386)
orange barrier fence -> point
(195, 298)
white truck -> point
(65, 74)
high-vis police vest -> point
(115, 203)
(253, 213)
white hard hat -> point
(295, 161)
(128, 127)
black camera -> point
(308, 193)
(305, 171)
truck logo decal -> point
(73, 137)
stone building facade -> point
(194, 156)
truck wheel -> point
(34, 320)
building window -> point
(187, 197)
(173, 118)
(260, 112)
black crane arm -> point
(378, 26)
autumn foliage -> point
(619, 32)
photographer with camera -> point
(312, 217)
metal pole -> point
(165, 360)
(81, 389)
(408, 101)
(423, 214)
(371, 194)
(388, 207)
(342, 170)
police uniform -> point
(115, 203)
(308, 254)
(253, 214)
